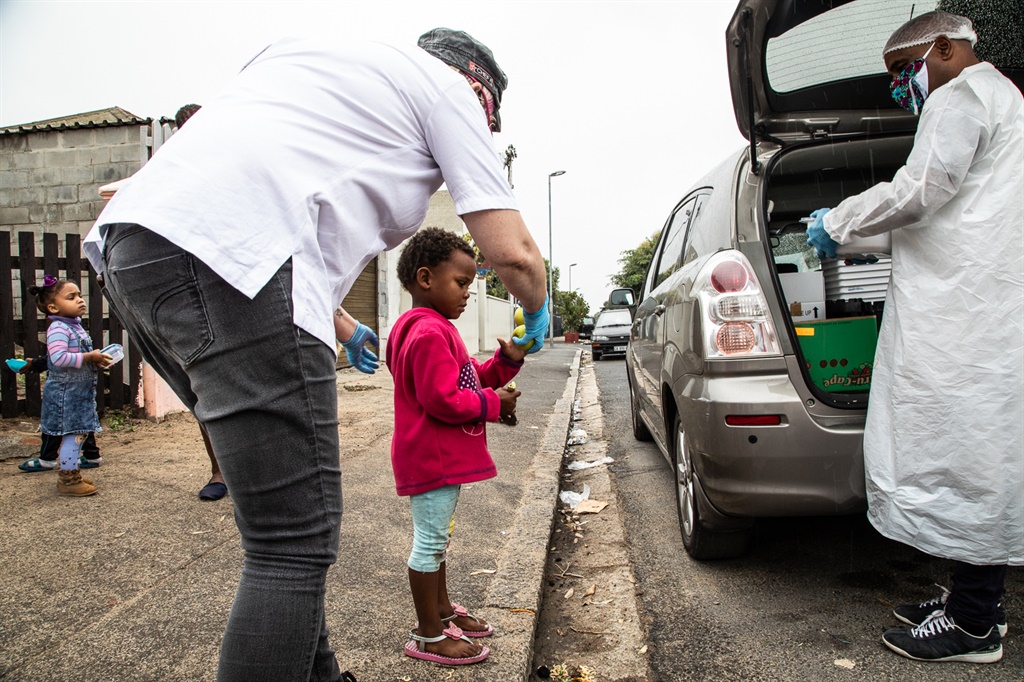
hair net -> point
(929, 26)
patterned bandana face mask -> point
(910, 87)
(486, 100)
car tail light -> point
(735, 337)
(728, 276)
(735, 311)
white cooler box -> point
(868, 282)
(878, 246)
(804, 294)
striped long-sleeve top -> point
(64, 341)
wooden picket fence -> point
(27, 330)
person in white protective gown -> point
(944, 439)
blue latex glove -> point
(536, 328)
(359, 356)
(819, 238)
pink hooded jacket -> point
(443, 397)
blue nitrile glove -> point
(536, 328)
(819, 238)
(359, 356)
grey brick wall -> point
(49, 180)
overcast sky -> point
(630, 98)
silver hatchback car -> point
(749, 362)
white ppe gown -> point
(944, 439)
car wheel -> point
(700, 543)
(640, 430)
(597, 356)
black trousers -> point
(977, 592)
(51, 446)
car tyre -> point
(640, 430)
(597, 356)
(700, 543)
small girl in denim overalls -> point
(69, 396)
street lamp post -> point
(571, 266)
(551, 261)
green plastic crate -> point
(840, 353)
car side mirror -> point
(622, 298)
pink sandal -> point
(416, 647)
(462, 612)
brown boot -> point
(72, 484)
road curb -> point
(517, 585)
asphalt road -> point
(812, 597)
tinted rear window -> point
(845, 42)
(615, 318)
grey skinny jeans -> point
(266, 392)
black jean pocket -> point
(164, 296)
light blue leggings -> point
(70, 449)
(433, 519)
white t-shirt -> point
(320, 152)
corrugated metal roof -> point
(114, 116)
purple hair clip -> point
(49, 280)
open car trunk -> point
(810, 91)
(832, 310)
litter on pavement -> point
(577, 437)
(573, 498)
(576, 466)
(590, 507)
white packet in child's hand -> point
(115, 351)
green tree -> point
(635, 263)
(572, 308)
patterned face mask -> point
(910, 87)
(486, 101)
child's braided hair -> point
(47, 292)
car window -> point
(614, 318)
(672, 249)
(649, 278)
(699, 239)
(845, 42)
(793, 249)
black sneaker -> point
(938, 638)
(915, 614)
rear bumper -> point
(809, 465)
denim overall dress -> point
(69, 396)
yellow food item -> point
(519, 333)
(510, 386)
(518, 317)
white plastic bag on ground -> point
(573, 498)
(577, 437)
(576, 466)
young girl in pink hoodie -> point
(443, 399)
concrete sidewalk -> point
(135, 583)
